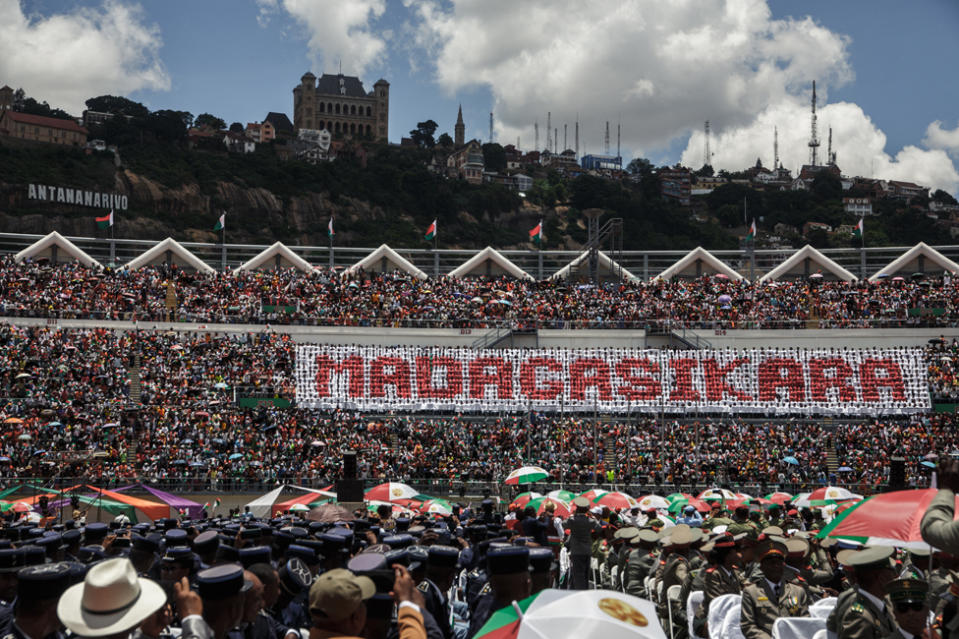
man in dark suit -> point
(581, 527)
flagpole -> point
(223, 248)
(862, 249)
(752, 252)
(436, 258)
(113, 250)
(331, 251)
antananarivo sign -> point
(77, 197)
(772, 380)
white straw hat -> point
(112, 599)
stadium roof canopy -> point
(918, 260)
(696, 263)
(385, 259)
(54, 246)
(606, 266)
(169, 251)
(275, 257)
(805, 262)
(490, 262)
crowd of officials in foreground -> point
(376, 576)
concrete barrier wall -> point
(553, 338)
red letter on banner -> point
(501, 378)
(424, 377)
(579, 381)
(781, 372)
(638, 386)
(684, 391)
(326, 367)
(716, 385)
(527, 378)
(820, 382)
(399, 378)
(871, 382)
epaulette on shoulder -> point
(711, 570)
(857, 607)
(423, 586)
(486, 589)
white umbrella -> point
(653, 501)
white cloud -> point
(661, 69)
(858, 143)
(337, 30)
(940, 138)
(67, 58)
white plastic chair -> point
(823, 607)
(821, 634)
(614, 580)
(732, 622)
(594, 571)
(672, 594)
(692, 605)
(716, 615)
(797, 627)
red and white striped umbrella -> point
(526, 475)
(390, 491)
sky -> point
(657, 70)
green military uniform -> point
(937, 527)
(719, 581)
(641, 564)
(843, 602)
(761, 607)
(864, 619)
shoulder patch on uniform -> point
(711, 569)
(857, 607)
(486, 589)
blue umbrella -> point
(236, 456)
(928, 464)
(4, 459)
(791, 460)
(198, 465)
(54, 424)
(187, 441)
(844, 469)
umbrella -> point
(437, 507)
(791, 460)
(390, 491)
(680, 504)
(4, 459)
(928, 464)
(575, 613)
(613, 500)
(24, 437)
(653, 501)
(592, 494)
(299, 508)
(725, 299)
(22, 507)
(522, 499)
(236, 456)
(526, 475)
(832, 492)
(329, 513)
(844, 469)
(23, 375)
(714, 494)
(561, 495)
(221, 386)
(562, 508)
(887, 519)
(13, 420)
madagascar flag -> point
(431, 231)
(106, 221)
(536, 233)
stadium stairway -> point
(832, 460)
(134, 375)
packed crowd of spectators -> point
(67, 412)
(37, 289)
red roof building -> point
(39, 128)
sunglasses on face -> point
(915, 606)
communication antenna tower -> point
(707, 155)
(565, 145)
(549, 131)
(813, 140)
(618, 131)
(607, 138)
(775, 148)
(577, 136)
(536, 136)
(491, 127)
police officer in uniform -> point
(440, 570)
(773, 597)
(868, 616)
(38, 591)
(508, 581)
